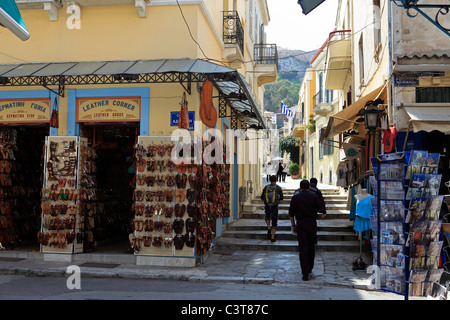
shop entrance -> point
(21, 172)
(108, 219)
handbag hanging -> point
(183, 121)
(54, 122)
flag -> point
(286, 110)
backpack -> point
(271, 196)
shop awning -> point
(429, 118)
(346, 119)
(231, 84)
(11, 19)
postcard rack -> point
(406, 222)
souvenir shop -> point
(113, 190)
(104, 175)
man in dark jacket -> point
(313, 186)
(304, 207)
(272, 194)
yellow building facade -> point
(114, 78)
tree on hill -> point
(280, 90)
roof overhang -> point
(429, 116)
(230, 83)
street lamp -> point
(371, 112)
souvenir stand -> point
(406, 228)
(62, 223)
(177, 200)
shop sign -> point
(406, 81)
(25, 110)
(175, 115)
(106, 109)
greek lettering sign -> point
(25, 110)
(107, 109)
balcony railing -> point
(266, 53)
(233, 33)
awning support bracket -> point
(442, 10)
(61, 86)
(188, 86)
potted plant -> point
(293, 170)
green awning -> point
(11, 19)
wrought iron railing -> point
(233, 33)
(265, 53)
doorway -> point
(107, 230)
(21, 172)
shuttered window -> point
(433, 94)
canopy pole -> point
(407, 134)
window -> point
(326, 148)
(328, 96)
(361, 60)
(303, 114)
(320, 87)
(377, 23)
(433, 94)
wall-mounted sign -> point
(25, 110)
(107, 109)
(175, 115)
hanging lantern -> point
(371, 113)
(54, 122)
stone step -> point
(324, 191)
(285, 207)
(287, 200)
(336, 225)
(284, 245)
(283, 214)
(288, 197)
(288, 235)
(290, 193)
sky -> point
(289, 28)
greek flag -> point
(286, 110)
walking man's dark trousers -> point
(307, 239)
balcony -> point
(323, 103)
(266, 63)
(233, 38)
(339, 60)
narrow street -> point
(54, 288)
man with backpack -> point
(272, 194)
